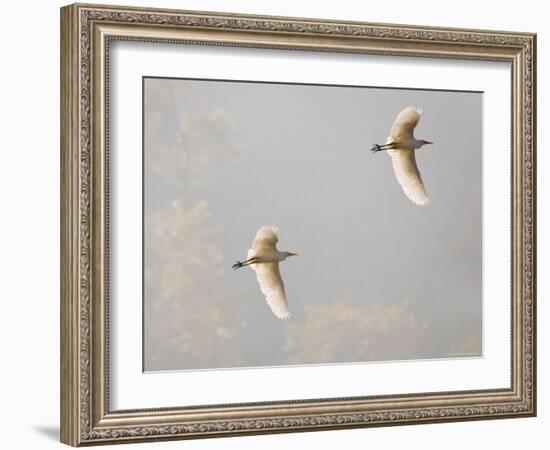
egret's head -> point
(291, 254)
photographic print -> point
(275, 224)
(294, 224)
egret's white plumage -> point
(405, 123)
(264, 259)
(401, 145)
(408, 176)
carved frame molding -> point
(86, 32)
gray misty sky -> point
(377, 278)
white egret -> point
(401, 145)
(264, 259)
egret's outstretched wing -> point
(266, 238)
(406, 120)
(272, 286)
(408, 175)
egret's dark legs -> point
(378, 148)
(240, 264)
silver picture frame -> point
(87, 31)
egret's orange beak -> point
(293, 254)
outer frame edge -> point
(70, 227)
(69, 390)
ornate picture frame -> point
(87, 31)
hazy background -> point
(378, 278)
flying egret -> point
(264, 259)
(401, 145)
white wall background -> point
(29, 238)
